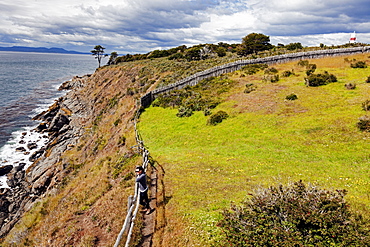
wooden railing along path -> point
(192, 80)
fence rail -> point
(192, 80)
(147, 99)
(133, 202)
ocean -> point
(29, 84)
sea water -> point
(29, 84)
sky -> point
(141, 26)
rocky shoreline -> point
(61, 125)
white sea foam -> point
(16, 151)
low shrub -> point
(121, 141)
(217, 118)
(350, 86)
(368, 79)
(315, 80)
(287, 73)
(271, 78)
(294, 215)
(366, 105)
(303, 63)
(270, 71)
(291, 97)
(250, 87)
(207, 112)
(364, 123)
(184, 112)
(310, 69)
(176, 56)
(251, 69)
(359, 64)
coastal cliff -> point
(91, 123)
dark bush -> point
(253, 68)
(315, 80)
(294, 46)
(350, 86)
(291, 97)
(303, 63)
(221, 51)
(176, 56)
(207, 112)
(270, 71)
(359, 64)
(364, 123)
(310, 68)
(250, 87)
(287, 73)
(368, 79)
(366, 105)
(121, 141)
(294, 215)
(217, 117)
(271, 78)
(184, 112)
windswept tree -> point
(112, 58)
(98, 52)
(253, 43)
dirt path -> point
(150, 220)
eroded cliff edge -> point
(91, 122)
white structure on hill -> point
(352, 39)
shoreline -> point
(26, 141)
(57, 130)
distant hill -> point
(40, 49)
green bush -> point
(184, 112)
(294, 215)
(359, 64)
(291, 97)
(207, 112)
(271, 78)
(310, 69)
(250, 87)
(364, 123)
(287, 73)
(251, 69)
(217, 118)
(366, 105)
(315, 80)
(121, 141)
(176, 56)
(270, 71)
(303, 63)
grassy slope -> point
(266, 140)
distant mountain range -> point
(40, 49)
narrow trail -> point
(149, 221)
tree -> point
(295, 215)
(112, 58)
(253, 43)
(294, 46)
(98, 52)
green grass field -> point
(266, 140)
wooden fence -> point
(192, 80)
(147, 99)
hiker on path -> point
(143, 188)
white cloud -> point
(130, 26)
